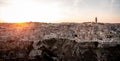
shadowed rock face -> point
(15, 49)
(69, 50)
(60, 42)
(61, 50)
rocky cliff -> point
(60, 42)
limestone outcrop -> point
(60, 42)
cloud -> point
(115, 6)
(3, 3)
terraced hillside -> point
(60, 41)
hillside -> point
(60, 41)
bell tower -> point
(96, 19)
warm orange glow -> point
(21, 25)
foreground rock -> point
(69, 50)
(60, 50)
(60, 42)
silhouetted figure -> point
(96, 20)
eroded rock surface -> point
(60, 42)
(70, 50)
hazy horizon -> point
(55, 11)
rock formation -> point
(60, 42)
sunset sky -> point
(59, 10)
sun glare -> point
(30, 11)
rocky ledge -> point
(60, 42)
